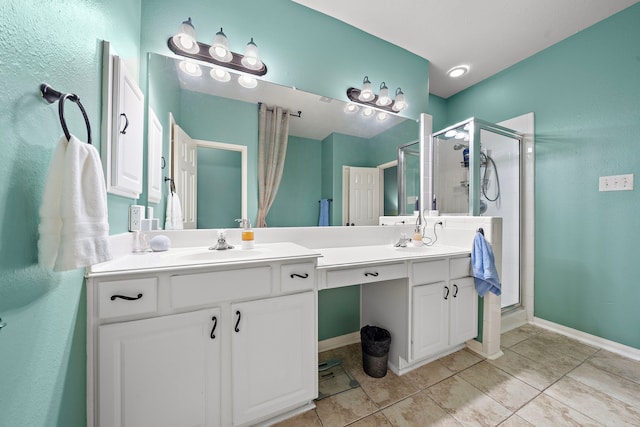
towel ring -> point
(51, 95)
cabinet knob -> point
(124, 297)
(302, 276)
(238, 321)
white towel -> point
(173, 219)
(74, 229)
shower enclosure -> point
(408, 177)
(475, 169)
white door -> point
(185, 174)
(430, 319)
(273, 355)
(127, 133)
(163, 371)
(364, 196)
(464, 310)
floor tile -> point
(505, 389)
(517, 335)
(619, 365)
(466, 403)
(611, 384)
(308, 419)
(429, 374)
(374, 420)
(546, 411)
(389, 389)
(594, 403)
(548, 353)
(344, 408)
(418, 410)
(460, 360)
(565, 345)
(516, 421)
(532, 372)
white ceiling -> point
(488, 35)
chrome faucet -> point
(402, 243)
(221, 244)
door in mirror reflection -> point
(219, 192)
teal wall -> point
(43, 347)
(585, 93)
(219, 184)
(42, 350)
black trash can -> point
(375, 343)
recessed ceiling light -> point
(458, 71)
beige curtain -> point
(273, 135)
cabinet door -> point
(430, 319)
(127, 133)
(274, 355)
(464, 310)
(163, 371)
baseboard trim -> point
(513, 319)
(605, 344)
(339, 341)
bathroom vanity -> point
(192, 336)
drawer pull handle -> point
(302, 276)
(215, 324)
(455, 290)
(446, 295)
(113, 297)
(371, 274)
(238, 321)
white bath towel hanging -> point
(74, 227)
(173, 219)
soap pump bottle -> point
(247, 233)
(417, 235)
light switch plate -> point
(616, 182)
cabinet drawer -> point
(295, 277)
(206, 288)
(429, 271)
(127, 297)
(460, 267)
(360, 275)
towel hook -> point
(51, 95)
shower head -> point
(460, 146)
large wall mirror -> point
(323, 137)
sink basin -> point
(212, 256)
(413, 248)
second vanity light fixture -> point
(184, 43)
(382, 101)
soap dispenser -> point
(247, 233)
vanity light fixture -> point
(351, 108)
(384, 98)
(190, 68)
(248, 82)
(184, 43)
(383, 101)
(382, 116)
(220, 74)
(367, 111)
(458, 71)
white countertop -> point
(180, 258)
(359, 255)
(201, 256)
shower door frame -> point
(475, 127)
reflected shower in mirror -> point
(324, 136)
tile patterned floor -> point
(543, 379)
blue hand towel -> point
(484, 267)
(324, 213)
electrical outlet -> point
(136, 215)
(616, 182)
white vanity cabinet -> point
(444, 312)
(221, 345)
(273, 363)
(162, 371)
